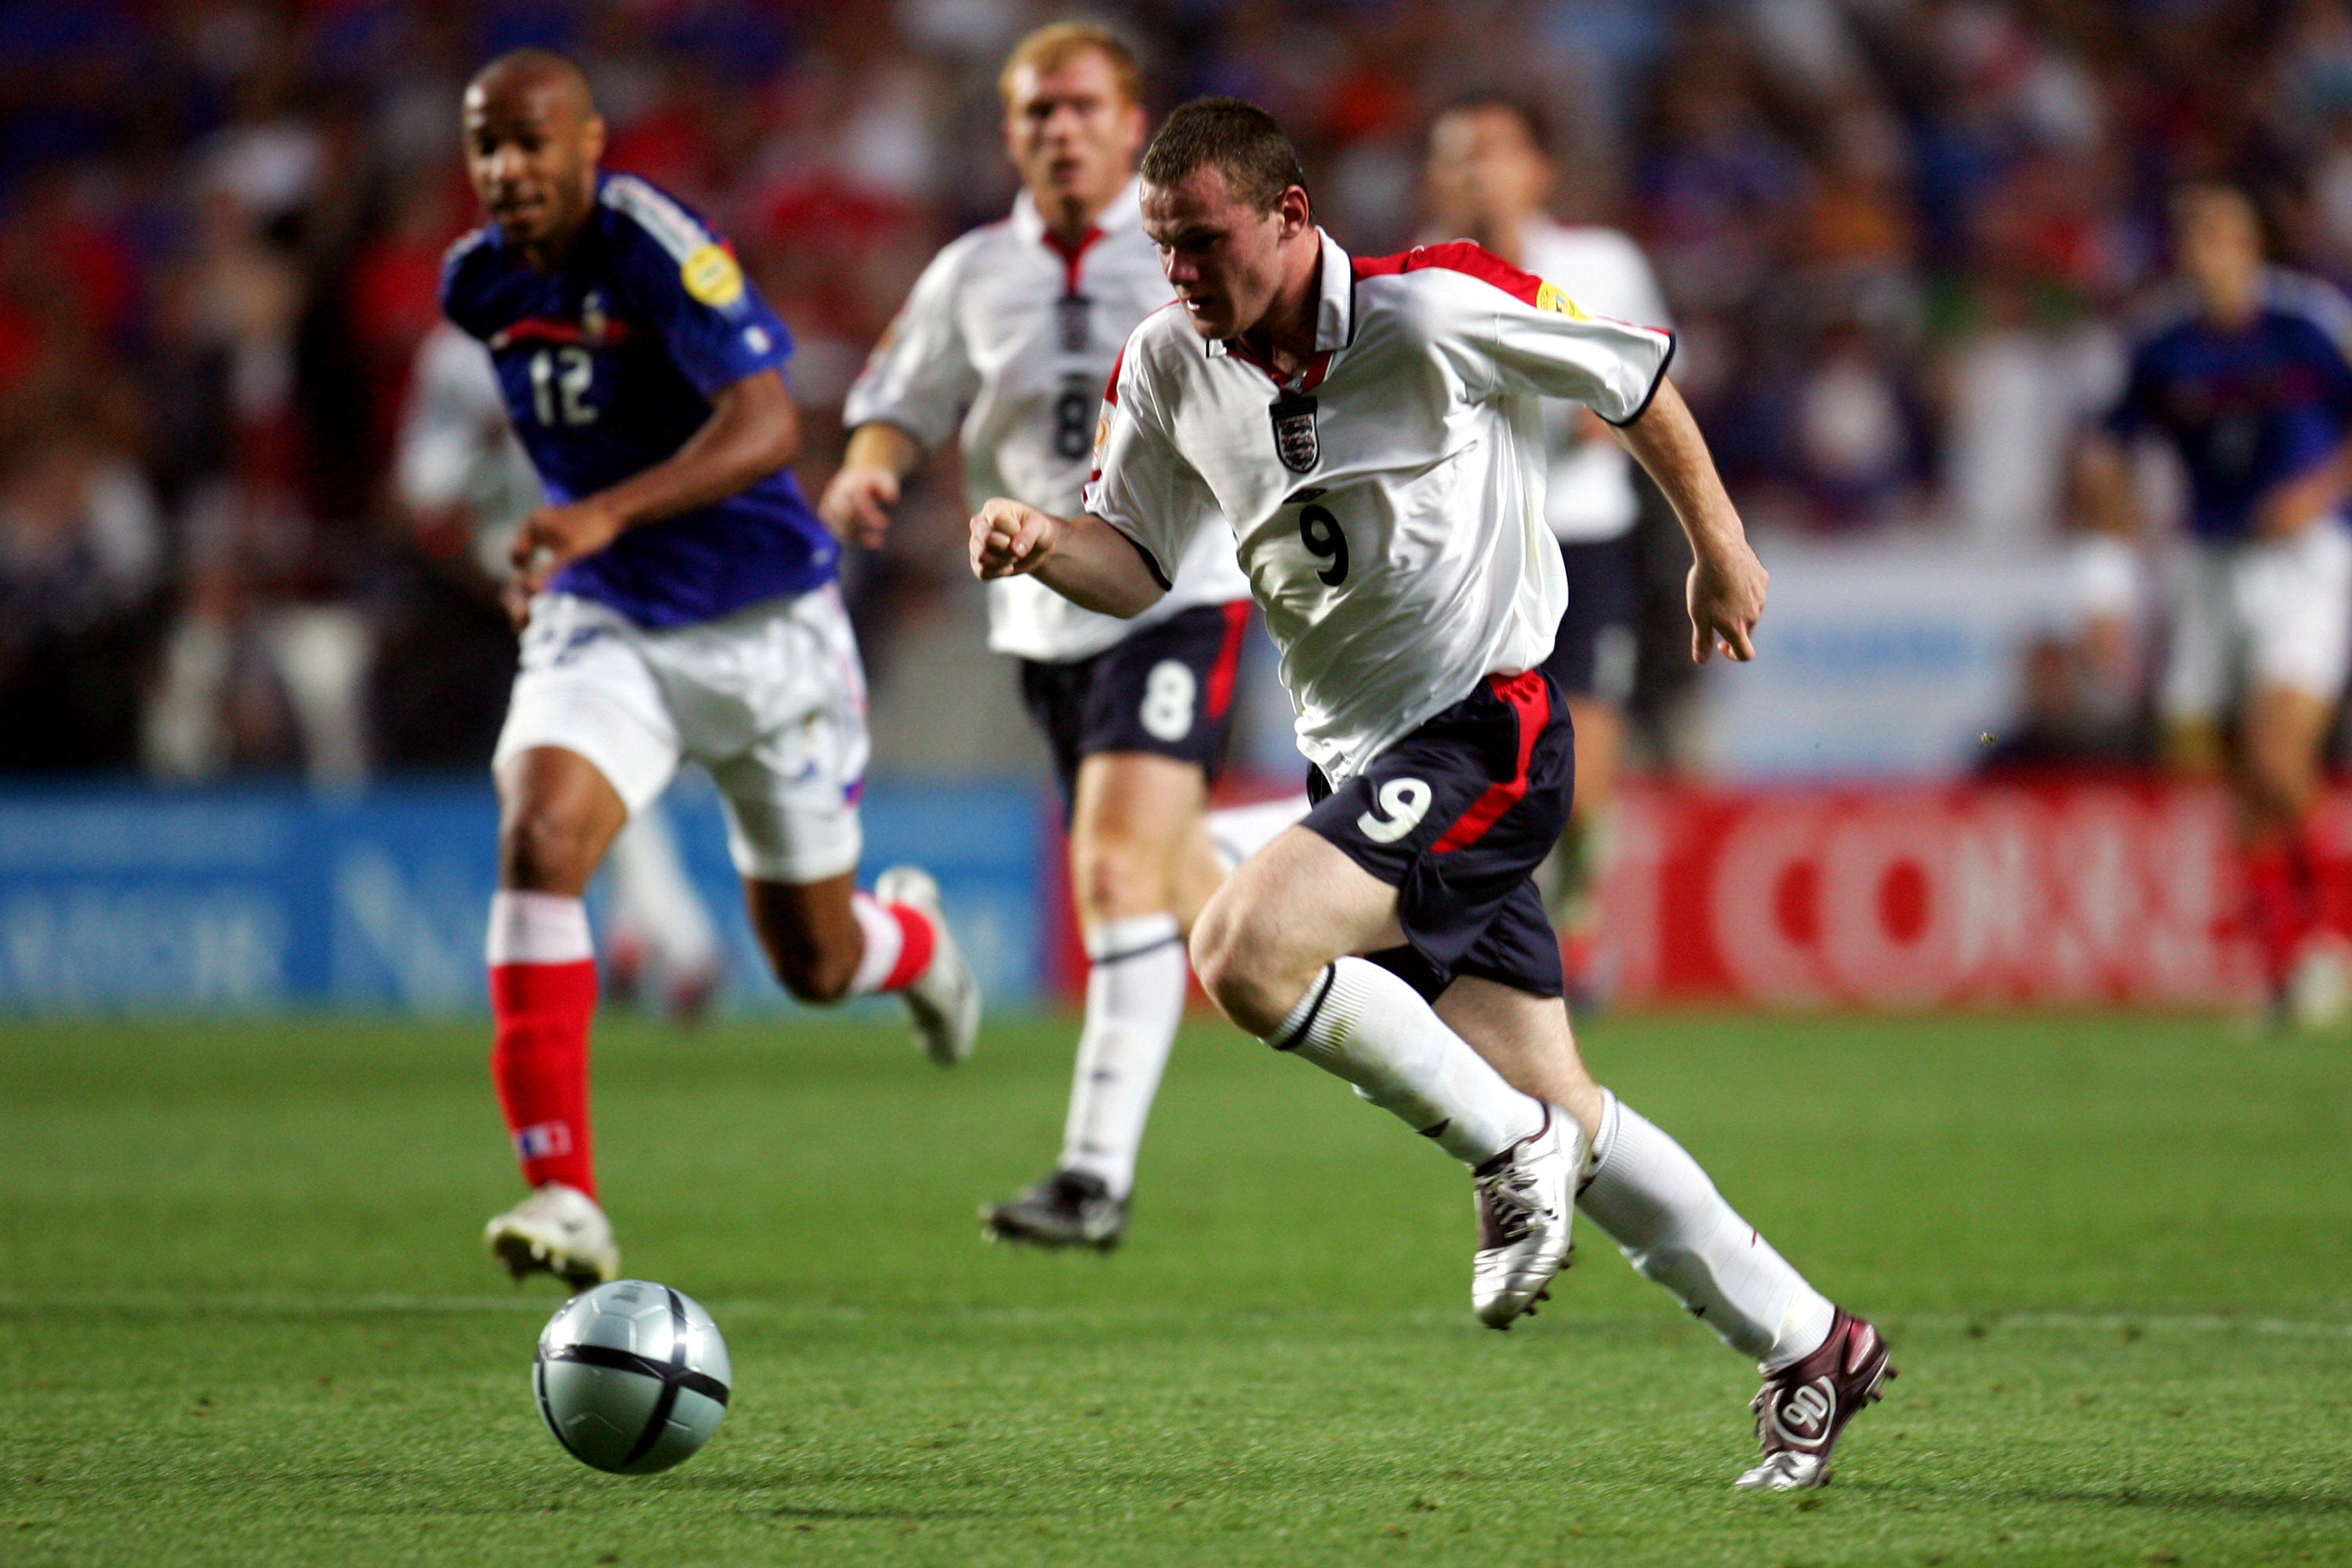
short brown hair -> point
(1240, 138)
(1055, 45)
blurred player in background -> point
(679, 601)
(2243, 372)
(1489, 172)
(1369, 429)
(1005, 345)
(467, 484)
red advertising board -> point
(2065, 892)
(2070, 891)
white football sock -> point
(1363, 1024)
(1135, 999)
(1665, 1216)
(1239, 831)
(651, 894)
(537, 928)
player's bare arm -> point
(875, 467)
(754, 429)
(1726, 592)
(1082, 558)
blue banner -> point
(124, 898)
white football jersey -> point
(1388, 501)
(1013, 338)
(1590, 494)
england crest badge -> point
(1295, 441)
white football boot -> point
(944, 999)
(557, 1230)
(1526, 1201)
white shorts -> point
(2270, 612)
(769, 699)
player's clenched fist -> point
(1009, 539)
(1727, 599)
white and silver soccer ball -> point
(632, 1377)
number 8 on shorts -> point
(1168, 700)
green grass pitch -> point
(245, 1319)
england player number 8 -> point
(1073, 420)
(1319, 531)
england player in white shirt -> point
(1004, 347)
(1371, 428)
(1488, 174)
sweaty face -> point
(1071, 134)
(532, 149)
(1483, 171)
(1223, 255)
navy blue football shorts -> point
(1167, 689)
(1457, 816)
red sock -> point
(2278, 907)
(2330, 876)
(899, 940)
(917, 938)
(543, 1002)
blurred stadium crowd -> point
(1896, 235)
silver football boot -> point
(557, 1230)
(1527, 1200)
(943, 1000)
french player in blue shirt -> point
(2245, 371)
(677, 602)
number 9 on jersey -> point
(1321, 533)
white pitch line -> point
(292, 1303)
(297, 1303)
(323, 1304)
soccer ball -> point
(632, 1377)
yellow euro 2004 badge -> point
(712, 276)
(1550, 298)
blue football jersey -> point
(608, 364)
(2247, 408)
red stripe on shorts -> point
(1532, 701)
(1229, 658)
